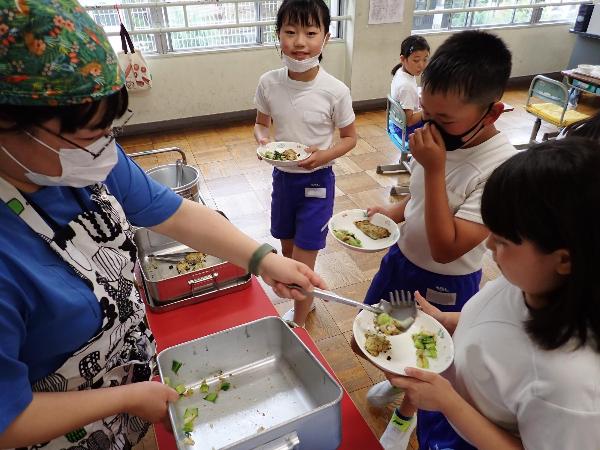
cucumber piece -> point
(175, 366)
(211, 397)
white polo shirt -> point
(304, 112)
(467, 170)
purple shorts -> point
(301, 206)
(447, 292)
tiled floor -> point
(236, 182)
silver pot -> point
(181, 178)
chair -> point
(395, 116)
(554, 109)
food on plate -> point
(371, 230)
(347, 237)
(425, 343)
(386, 324)
(192, 261)
(376, 343)
(286, 155)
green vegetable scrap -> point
(204, 387)
(425, 343)
(175, 366)
(211, 397)
(189, 416)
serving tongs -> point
(401, 306)
(173, 257)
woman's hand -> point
(279, 271)
(425, 390)
(317, 158)
(150, 400)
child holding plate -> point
(527, 347)
(306, 105)
(441, 246)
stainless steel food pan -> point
(162, 281)
(280, 393)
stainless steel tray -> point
(280, 392)
(165, 285)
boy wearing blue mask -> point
(441, 244)
(306, 105)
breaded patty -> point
(371, 230)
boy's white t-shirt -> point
(467, 170)
(304, 112)
(550, 398)
(405, 90)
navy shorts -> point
(301, 206)
(448, 293)
(435, 432)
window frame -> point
(162, 35)
(536, 6)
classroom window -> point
(196, 24)
(464, 14)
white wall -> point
(200, 84)
(208, 83)
(538, 49)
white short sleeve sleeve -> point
(546, 426)
(343, 114)
(471, 208)
(260, 99)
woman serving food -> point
(75, 352)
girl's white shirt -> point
(405, 90)
(304, 112)
(550, 398)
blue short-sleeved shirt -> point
(46, 310)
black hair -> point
(304, 13)
(72, 117)
(410, 45)
(473, 64)
(549, 195)
(589, 128)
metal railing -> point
(472, 16)
(171, 26)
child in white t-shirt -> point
(306, 105)
(414, 54)
(441, 245)
(526, 367)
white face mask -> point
(79, 168)
(300, 66)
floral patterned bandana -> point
(52, 53)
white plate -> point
(403, 352)
(280, 147)
(345, 221)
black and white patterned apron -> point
(99, 247)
